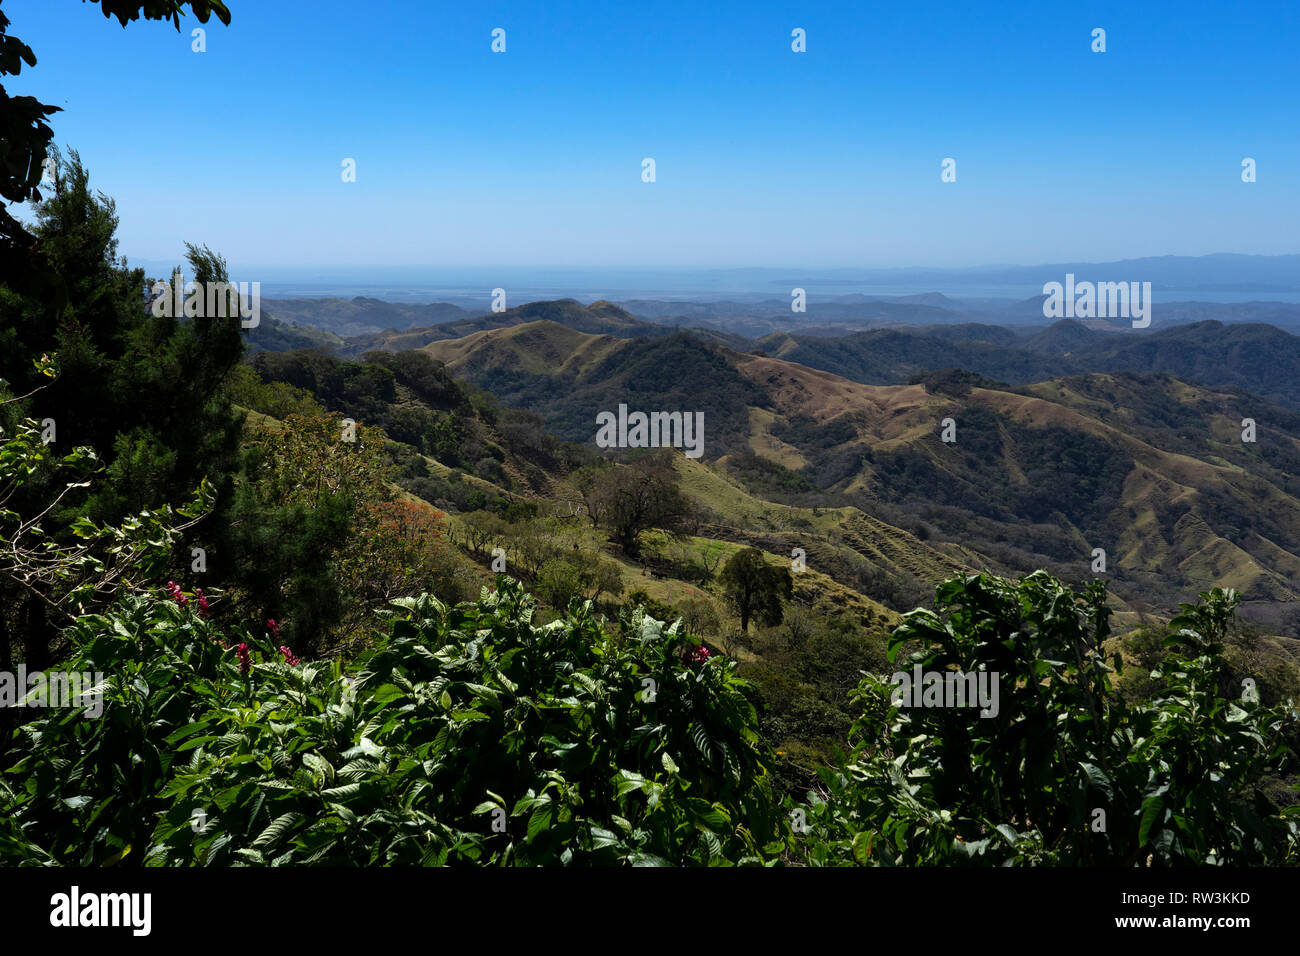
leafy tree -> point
(606, 579)
(296, 543)
(634, 498)
(149, 391)
(699, 616)
(481, 531)
(756, 589)
(101, 562)
(585, 497)
(401, 552)
(560, 581)
(276, 399)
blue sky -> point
(765, 157)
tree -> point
(699, 616)
(634, 498)
(585, 497)
(141, 395)
(150, 394)
(301, 528)
(560, 581)
(401, 552)
(481, 531)
(606, 579)
(102, 562)
(756, 589)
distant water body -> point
(518, 293)
(527, 284)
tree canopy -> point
(756, 589)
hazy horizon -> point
(1222, 278)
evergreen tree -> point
(149, 393)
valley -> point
(847, 482)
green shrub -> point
(463, 718)
(1065, 773)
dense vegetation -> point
(471, 734)
(701, 377)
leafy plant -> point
(1065, 772)
(582, 745)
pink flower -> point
(174, 591)
(245, 660)
(203, 602)
(288, 657)
(695, 655)
(272, 626)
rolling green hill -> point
(1149, 468)
(597, 318)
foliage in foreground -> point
(471, 736)
(1065, 773)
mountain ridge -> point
(1039, 475)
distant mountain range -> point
(361, 315)
(1253, 357)
(1070, 436)
(749, 317)
(839, 315)
(1258, 357)
(302, 325)
(1212, 273)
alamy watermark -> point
(74, 909)
(52, 689)
(946, 689)
(683, 430)
(1098, 300)
(209, 299)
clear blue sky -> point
(764, 157)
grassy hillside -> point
(1149, 468)
(567, 377)
(848, 484)
(597, 318)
